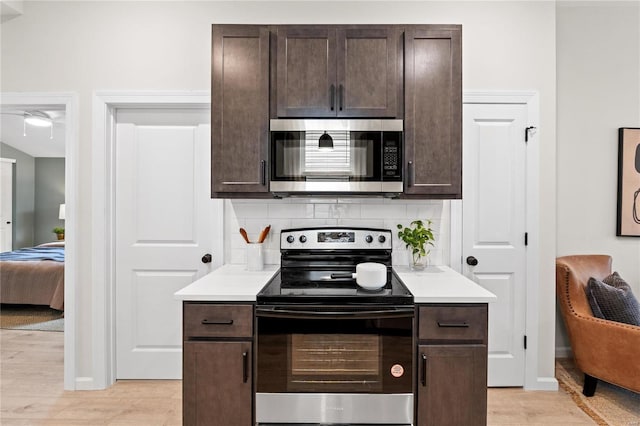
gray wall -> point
(49, 194)
(598, 74)
(37, 195)
(23, 196)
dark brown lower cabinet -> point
(451, 365)
(217, 383)
(452, 387)
(217, 364)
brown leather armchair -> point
(602, 349)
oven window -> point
(334, 358)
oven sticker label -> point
(397, 370)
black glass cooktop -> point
(318, 287)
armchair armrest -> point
(607, 350)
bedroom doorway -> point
(62, 110)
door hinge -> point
(525, 341)
(526, 238)
(526, 132)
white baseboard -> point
(544, 384)
(84, 383)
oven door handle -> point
(277, 312)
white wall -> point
(598, 91)
(87, 46)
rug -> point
(610, 406)
(30, 317)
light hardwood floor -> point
(31, 393)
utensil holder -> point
(255, 257)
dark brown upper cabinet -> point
(337, 71)
(239, 110)
(433, 111)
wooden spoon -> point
(244, 235)
(263, 234)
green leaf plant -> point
(416, 238)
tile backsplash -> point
(254, 215)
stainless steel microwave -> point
(336, 156)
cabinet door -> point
(217, 389)
(306, 72)
(239, 109)
(433, 111)
(452, 385)
(367, 62)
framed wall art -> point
(628, 223)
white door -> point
(164, 226)
(493, 228)
(6, 205)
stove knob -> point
(290, 239)
(382, 238)
(303, 239)
(368, 238)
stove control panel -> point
(335, 238)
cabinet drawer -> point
(467, 323)
(213, 320)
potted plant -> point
(416, 238)
(59, 232)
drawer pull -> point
(217, 322)
(424, 370)
(453, 324)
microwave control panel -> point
(392, 156)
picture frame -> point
(628, 216)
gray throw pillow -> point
(612, 299)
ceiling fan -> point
(34, 118)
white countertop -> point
(441, 284)
(436, 284)
(228, 283)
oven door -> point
(334, 365)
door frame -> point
(69, 101)
(105, 106)
(12, 162)
(532, 220)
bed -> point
(33, 276)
